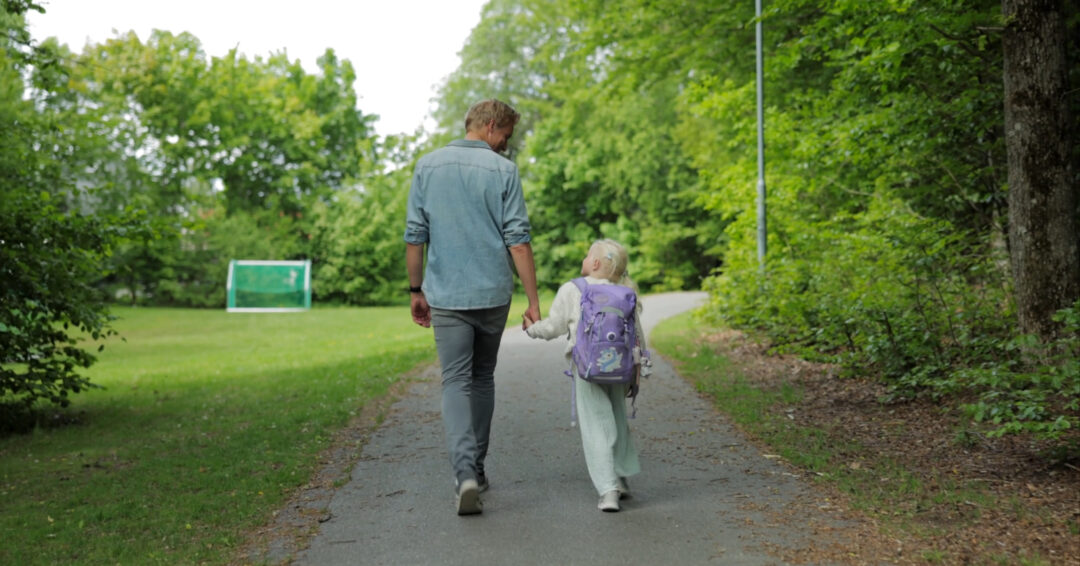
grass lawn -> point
(207, 421)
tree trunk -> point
(1043, 239)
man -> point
(466, 206)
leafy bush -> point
(885, 290)
(886, 206)
(1031, 386)
(49, 261)
(359, 254)
(914, 301)
(51, 254)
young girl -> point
(601, 408)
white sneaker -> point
(609, 502)
(468, 498)
(623, 489)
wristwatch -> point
(415, 290)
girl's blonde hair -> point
(616, 259)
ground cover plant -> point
(935, 485)
(205, 423)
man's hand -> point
(414, 263)
(530, 317)
(421, 312)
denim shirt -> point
(466, 204)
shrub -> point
(915, 302)
(1030, 386)
(49, 261)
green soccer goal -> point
(268, 286)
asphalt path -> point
(705, 495)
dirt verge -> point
(949, 494)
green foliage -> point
(359, 252)
(510, 56)
(48, 261)
(886, 201)
(1031, 387)
(609, 167)
(885, 169)
(264, 131)
(51, 254)
(227, 154)
(895, 300)
(599, 156)
(905, 298)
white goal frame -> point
(230, 291)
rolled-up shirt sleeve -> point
(516, 228)
(416, 221)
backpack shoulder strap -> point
(581, 283)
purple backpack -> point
(606, 335)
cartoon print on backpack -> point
(609, 360)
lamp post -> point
(761, 228)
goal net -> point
(268, 286)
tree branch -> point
(964, 43)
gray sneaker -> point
(482, 483)
(609, 502)
(468, 498)
(623, 489)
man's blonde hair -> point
(487, 110)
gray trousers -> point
(468, 347)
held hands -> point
(529, 318)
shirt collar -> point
(479, 144)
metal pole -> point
(761, 230)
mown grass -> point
(207, 421)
